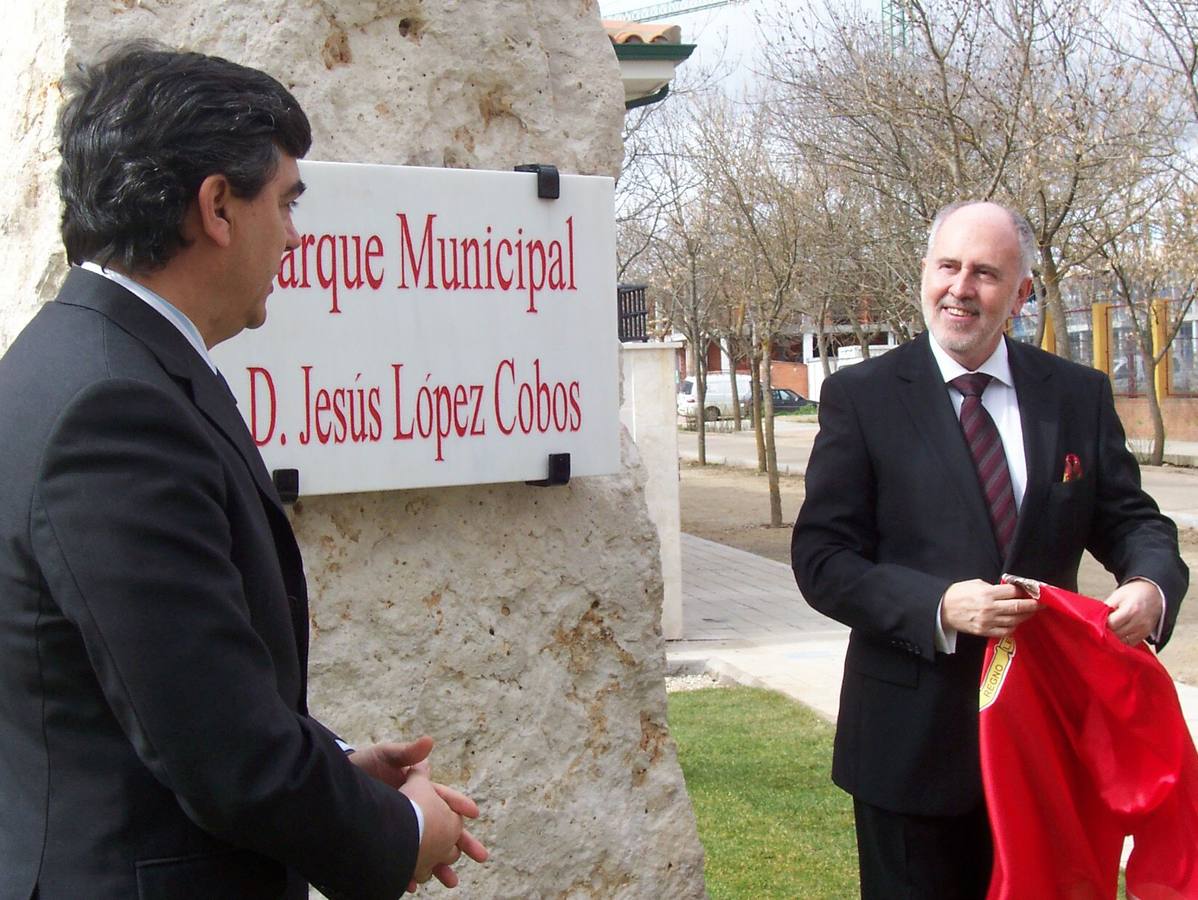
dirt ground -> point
(732, 506)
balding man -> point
(938, 467)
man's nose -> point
(293, 238)
(963, 284)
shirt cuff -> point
(419, 819)
(347, 748)
(945, 639)
(1160, 624)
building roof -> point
(642, 32)
(648, 55)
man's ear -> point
(1022, 296)
(212, 201)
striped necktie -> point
(981, 435)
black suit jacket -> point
(154, 734)
(894, 514)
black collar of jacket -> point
(1028, 363)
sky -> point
(731, 34)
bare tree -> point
(755, 187)
(639, 199)
(683, 260)
(1094, 124)
(1175, 26)
(651, 133)
(1010, 101)
(1153, 273)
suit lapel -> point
(1039, 415)
(929, 406)
(216, 401)
(180, 360)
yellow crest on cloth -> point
(996, 672)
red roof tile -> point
(642, 32)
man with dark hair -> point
(153, 612)
(938, 467)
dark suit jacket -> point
(154, 735)
(894, 514)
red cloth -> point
(1083, 742)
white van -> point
(718, 400)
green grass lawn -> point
(810, 412)
(757, 769)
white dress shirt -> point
(172, 314)
(1000, 401)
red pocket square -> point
(1073, 467)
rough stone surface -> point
(31, 70)
(517, 625)
(521, 626)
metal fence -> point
(633, 312)
(1116, 350)
(1128, 373)
(1183, 356)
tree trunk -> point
(736, 414)
(821, 339)
(771, 450)
(700, 341)
(701, 395)
(862, 338)
(1157, 455)
(1041, 311)
(1056, 305)
(755, 382)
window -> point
(1079, 324)
(1183, 356)
(1023, 326)
(1128, 376)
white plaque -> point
(436, 327)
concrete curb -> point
(741, 462)
(719, 669)
(1177, 460)
(698, 662)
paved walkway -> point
(745, 621)
(743, 616)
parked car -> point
(786, 400)
(718, 400)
